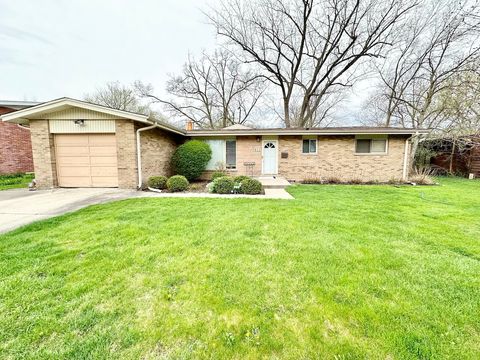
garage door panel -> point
(102, 150)
(72, 150)
(107, 171)
(76, 181)
(72, 171)
(71, 140)
(104, 181)
(73, 160)
(104, 160)
(102, 140)
(86, 160)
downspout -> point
(139, 154)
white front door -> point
(269, 157)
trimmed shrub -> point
(190, 159)
(177, 183)
(251, 187)
(223, 185)
(157, 182)
(218, 174)
(238, 179)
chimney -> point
(189, 126)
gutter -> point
(139, 154)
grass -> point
(13, 181)
(342, 272)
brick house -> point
(15, 145)
(78, 144)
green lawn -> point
(14, 181)
(342, 272)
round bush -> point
(238, 179)
(157, 182)
(223, 185)
(177, 183)
(218, 174)
(251, 187)
(190, 159)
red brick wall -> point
(15, 147)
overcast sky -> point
(50, 49)
(55, 48)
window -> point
(309, 146)
(224, 154)
(371, 146)
(231, 154)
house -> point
(79, 144)
(15, 145)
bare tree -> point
(440, 41)
(117, 96)
(308, 48)
(215, 91)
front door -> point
(270, 157)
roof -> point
(36, 111)
(347, 130)
(17, 105)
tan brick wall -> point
(43, 154)
(157, 147)
(336, 158)
(126, 153)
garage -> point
(86, 160)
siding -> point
(74, 114)
(90, 126)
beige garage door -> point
(86, 160)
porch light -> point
(79, 122)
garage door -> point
(86, 160)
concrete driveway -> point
(20, 207)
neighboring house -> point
(78, 144)
(15, 145)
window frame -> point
(226, 165)
(309, 138)
(371, 139)
(224, 152)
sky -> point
(55, 48)
(50, 49)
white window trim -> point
(371, 153)
(316, 145)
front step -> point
(270, 182)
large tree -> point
(214, 91)
(439, 42)
(308, 49)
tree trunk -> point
(286, 112)
(413, 150)
(452, 156)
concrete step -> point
(270, 182)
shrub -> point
(177, 183)
(190, 159)
(251, 187)
(223, 185)
(218, 174)
(422, 176)
(333, 180)
(238, 179)
(157, 182)
(356, 181)
(312, 180)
